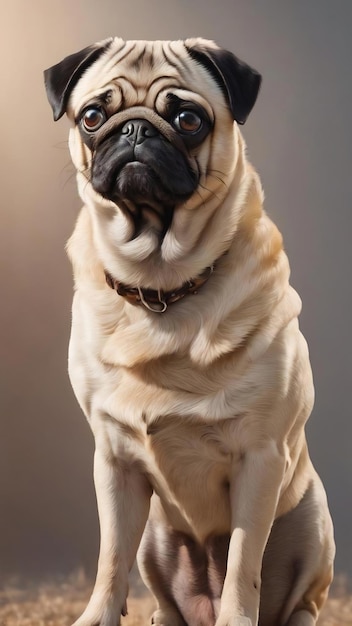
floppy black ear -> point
(60, 79)
(239, 82)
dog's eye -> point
(188, 121)
(93, 118)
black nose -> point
(137, 131)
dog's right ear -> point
(239, 82)
(60, 79)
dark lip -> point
(138, 182)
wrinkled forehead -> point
(140, 70)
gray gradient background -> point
(299, 139)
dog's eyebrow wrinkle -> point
(119, 59)
(137, 62)
(107, 95)
(167, 57)
(181, 63)
(177, 63)
(173, 98)
(122, 47)
(104, 97)
(168, 86)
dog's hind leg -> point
(301, 618)
(184, 576)
(297, 565)
(157, 563)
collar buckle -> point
(160, 304)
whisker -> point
(212, 193)
(69, 172)
(212, 169)
(61, 145)
(210, 173)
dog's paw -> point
(167, 617)
(96, 615)
(235, 621)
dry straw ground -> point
(58, 604)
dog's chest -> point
(185, 427)
(189, 466)
(189, 461)
(196, 462)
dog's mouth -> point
(139, 183)
(138, 191)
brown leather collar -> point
(158, 301)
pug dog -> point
(186, 355)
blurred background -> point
(299, 140)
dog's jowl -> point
(185, 352)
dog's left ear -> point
(239, 81)
(60, 79)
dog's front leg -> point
(123, 496)
(254, 495)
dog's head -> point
(152, 121)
